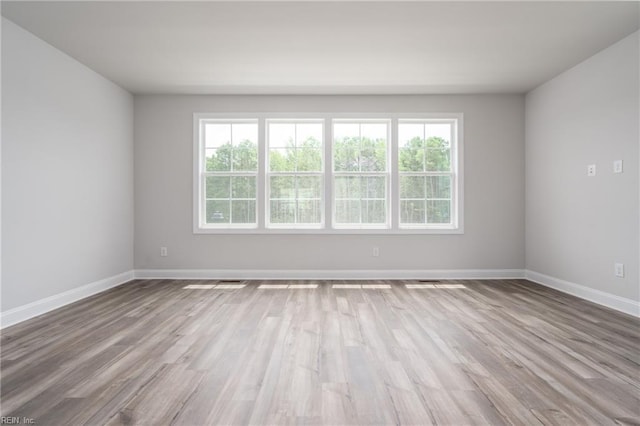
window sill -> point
(280, 231)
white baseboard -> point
(39, 307)
(622, 304)
(321, 274)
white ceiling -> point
(330, 47)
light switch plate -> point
(591, 170)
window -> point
(295, 173)
(426, 173)
(328, 173)
(228, 173)
(360, 174)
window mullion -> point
(329, 202)
(295, 175)
(295, 192)
(393, 191)
(262, 178)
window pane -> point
(282, 160)
(411, 156)
(282, 187)
(243, 187)
(346, 154)
(217, 187)
(412, 212)
(411, 147)
(412, 187)
(374, 211)
(309, 187)
(374, 187)
(217, 211)
(410, 131)
(281, 135)
(374, 131)
(425, 147)
(347, 187)
(309, 134)
(245, 156)
(346, 130)
(309, 211)
(309, 158)
(439, 211)
(217, 135)
(373, 150)
(438, 160)
(348, 211)
(373, 155)
(244, 132)
(218, 160)
(282, 211)
(294, 148)
(243, 211)
(440, 132)
(360, 146)
(438, 186)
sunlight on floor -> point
(313, 286)
(212, 286)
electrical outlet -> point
(617, 166)
(164, 252)
(591, 170)
(618, 270)
(376, 252)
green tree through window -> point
(425, 179)
(295, 173)
(231, 166)
(363, 190)
(360, 157)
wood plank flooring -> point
(489, 352)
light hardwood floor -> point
(495, 352)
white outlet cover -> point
(617, 166)
(591, 170)
(618, 270)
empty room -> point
(320, 213)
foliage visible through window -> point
(231, 166)
(295, 173)
(360, 151)
(425, 172)
(374, 173)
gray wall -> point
(493, 191)
(67, 176)
(578, 226)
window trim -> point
(454, 173)
(393, 186)
(201, 175)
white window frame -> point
(268, 174)
(452, 173)
(386, 174)
(202, 174)
(328, 227)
